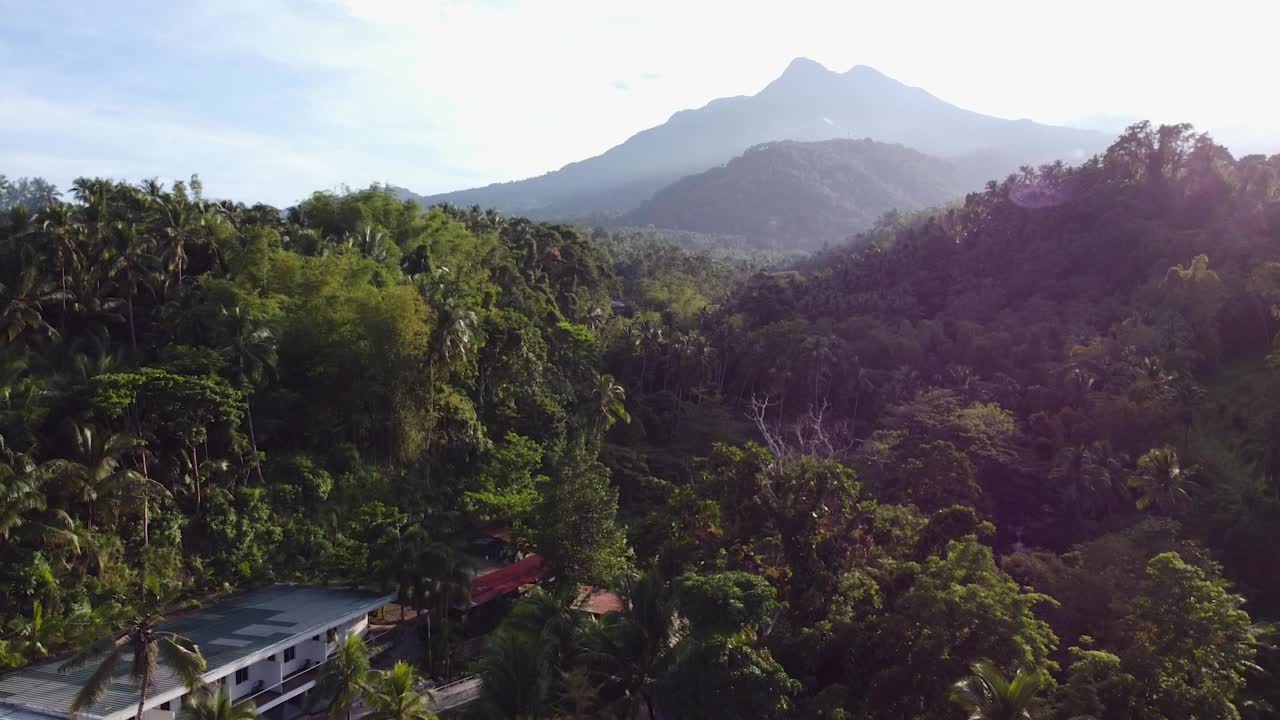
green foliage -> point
(1191, 643)
(393, 695)
(1043, 413)
(207, 704)
(575, 527)
(509, 488)
(725, 603)
(344, 678)
(727, 677)
(989, 695)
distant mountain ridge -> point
(802, 195)
(807, 102)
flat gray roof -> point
(226, 631)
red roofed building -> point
(597, 601)
(506, 580)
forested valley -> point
(1018, 457)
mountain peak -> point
(801, 73)
(804, 65)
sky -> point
(269, 100)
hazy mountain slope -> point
(808, 102)
(804, 194)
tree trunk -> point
(253, 441)
(146, 504)
(195, 474)
(133, 333)
(142, 696)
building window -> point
(164, 706)
(289, 654)
(332, 634)
(242, 676)
(272, 657)
(315, 638)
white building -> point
(266, 647)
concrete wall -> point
(305, 649)
(268, 672)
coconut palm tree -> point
(626, 652)
(145, 646)
(392, 695)
(516, 679)
(610, 404)
(97, 478)
(133, 267)
(22, 305)
(21, 492)
(207, 705)
(988, 695)
(252, 353)
(444, 575)
(1161, 482)
(344, 677)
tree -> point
(206, 704)
(1162, 483)
(24, 299)
(610, 406)
(1096, 687)
(251, 352)
(577, 529)
(443, 575)
(1192, 643)
(147, 646)
(393, 695)
(988, 695)
(516, 680)
(627, 652)
(96, 476)
(133, 267)
(728, 677)
(22, 491)
(344, 678)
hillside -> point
(802, 195)
(807, 102)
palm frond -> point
(183, 657)
(110, 650)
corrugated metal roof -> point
(506, 580)
(226, 632)
(8, 712)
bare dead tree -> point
(812, 434)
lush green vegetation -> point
(1012, 459)
(803, 196)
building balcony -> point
(292, 685)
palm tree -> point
(132, 266)
(146, 646)
(21, 492)
(97, 477)
(550, 615)
(391, 695)
(1085, 474)
(207, 705)
(444, 576)
(515, 677)
(23, 305)
(1161, 481)
(610, 404)
(37, 635)
(989, 695)
(627, 651)
(344, 677)
(252, 352)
